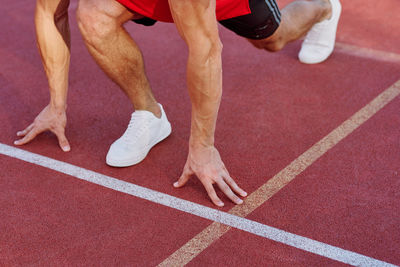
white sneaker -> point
(320, 40)
(144, 131)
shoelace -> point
(314, 35)
(133, 132)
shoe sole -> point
(118, 163)
(319, 60)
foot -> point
(144, 131)
(320, 40)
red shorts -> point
(159, 9)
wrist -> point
(200, 144)
(202, 131)
(58, 105)
(58, 100)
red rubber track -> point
(273, 109)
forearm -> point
(53, 39)
(197, 24)
(204, 78)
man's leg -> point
(297, 19)
(101, 24)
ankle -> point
(326, 10)
(156, 110)
(151, 107)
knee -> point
(274, 44)
(216, 47)
(94, 24)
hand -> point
(207, 165)
(51, 119)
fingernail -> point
(176, 184)
(240, 201)
(66, 148)
(220, 204)
(16, 142)
(244, 194)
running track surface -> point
(317, 146)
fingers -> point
(62, 140)
(209, 169)
(31, 132)
(27, 130)
(213, 195)
(228, 192)
(207, 185)
(184, 178)
(234, 186)
(28, 137)
(232, 183)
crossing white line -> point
(205, 238)
(253, 227)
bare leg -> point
(101, 24)
(297, 19)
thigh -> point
(261, 23)
(110, 9)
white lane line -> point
(253, 227)
(369, 53)
(205, 238)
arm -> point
(53, 39)
(197, 24)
